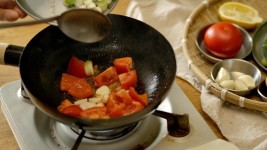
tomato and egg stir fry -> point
(101, 95)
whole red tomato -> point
(223, 39)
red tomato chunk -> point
(107, 77)
(128, 79)
(77, 87)
(124, 64)
(142, 98)
(76, 67)
(95, 113)
(67, 108)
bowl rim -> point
(30, 7)
(255, 50)
(263, 97)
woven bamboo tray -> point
(206, 13)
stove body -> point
(35, 130)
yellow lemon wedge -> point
(240, 14)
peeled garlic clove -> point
(105, 98)
(228, 84)
(222, 75)
(248, 80)
(100, 104)
(235, 75)
(95, 99)
(87, 105)
(103, 90)
(78, 102)
(240, 85)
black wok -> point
(46, 56)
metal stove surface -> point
(34, 130)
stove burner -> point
(146, 133)
(107, 135)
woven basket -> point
(206, 13)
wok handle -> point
(178, 125)
(10, 54)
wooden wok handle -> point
(10, 54)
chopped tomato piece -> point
(77, 87)
(107, 77)
(132, 108)
(123, 64)
(142, 98)
(65, 103)
(116, 111)
(124, 96)
(128, 79)
(115, 106)
(76, 67)
(72, 110)
(66, 81)
(95, 113)
(81, 89)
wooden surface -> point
(22, 35)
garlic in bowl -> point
(236, 75)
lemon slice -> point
(239, 13)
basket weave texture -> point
(204, 14)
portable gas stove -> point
(34, 130)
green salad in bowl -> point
(99, 5)
(264, 52)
